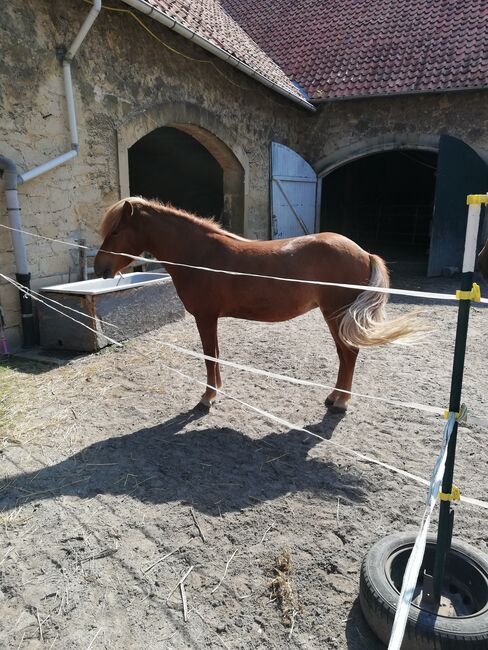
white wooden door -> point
(294, 198)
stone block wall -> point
(340, 128)
(126, 84)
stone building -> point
(226, 108)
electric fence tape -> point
(412, 569)
(266, 414)
(357, 287)
(480, 421)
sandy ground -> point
(113, 487)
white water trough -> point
(134, 303)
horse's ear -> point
(127, 210)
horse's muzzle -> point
(102, 271)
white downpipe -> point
(12, 201)
(70, 100)
(45, 167)
(70, 103)
(12, 179)
(157, 14)
(84, 29)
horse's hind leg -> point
(207, 328)
(338, 401)
(218, 378)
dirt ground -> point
(113, 487)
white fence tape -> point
(266, 414)
(436, 410)
(295, 427)
(302, 382)
(357, 287)
(250, 369)
(412, 569)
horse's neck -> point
(174, 238)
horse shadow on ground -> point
(215, 469)
(358, 635)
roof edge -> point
(167, 21)
(462, 89)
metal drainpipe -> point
(12, 179)
(23, 276)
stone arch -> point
(380, 193)
(370, 146)
(209, 131)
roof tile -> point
(350, 48)
(208, 19)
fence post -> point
(465, 295)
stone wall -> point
(343, 129)
(126, 84)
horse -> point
(483, 261)
(355, 318)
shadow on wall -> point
(205, 467)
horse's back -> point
(321, 256)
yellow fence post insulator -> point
(477, 199)
(461, 415)
(474, 294)
(454, 495)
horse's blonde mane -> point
(111, 218)
(113, 214)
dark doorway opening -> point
(385, 203)
(172, 166)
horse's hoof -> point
(338, 409)
(204, 404)
(202, 408)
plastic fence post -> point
(446, 514)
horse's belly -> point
(269, 313)
(238, 299)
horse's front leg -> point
(207, 328)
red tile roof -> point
(209, 20)
(353, 48)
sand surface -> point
(113, 487)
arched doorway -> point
(384, 201)
(191, 168)
(172, 166)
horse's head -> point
(120, 229)
(483, 261)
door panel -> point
(460, 171)
(293, 194)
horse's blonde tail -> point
(364, 323)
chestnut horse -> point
(483, 261)
(355, 318)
